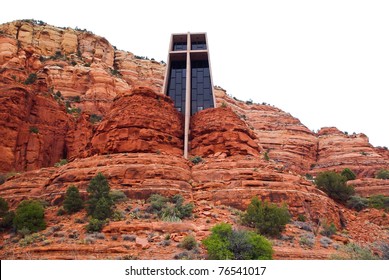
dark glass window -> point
(199, 45)
(201, 94)
(181, 46)
(177, 84)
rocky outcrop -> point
(282, 136)
(142, 121)
(84, 68)
(338, 150)
(369, 186)
(138, 175)
(33, 130)
(289, 142)
(235, 181)
(220, 130)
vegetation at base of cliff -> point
(334, 185)
(170, 209)
(99, 204)
(353, 251)
(6, 216)
(267, 218)
(73, 201)
(30, 215)
(226, 243)
(383, 174)
(189, 243)
(328, 229)
(376, 201)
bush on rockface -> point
(383, 174)
(348, 174)
(267, 218)
(226, 243)
(170, 209)
(30, 215)
(99, 203)
(334, 185)
(357, 203)
(73, 201)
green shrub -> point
(3, 207)
(3, 178)
(6, 221)
(348, 174)
(99, 202)
(118, 196)
(227, 244)
(383, 174)
(384, 247)
(301, 218)
(95, 225)
(353, 251)
(266, 156)
(189, 242)
(30, 214)
(267, 218)
(170, 210)
(334, 185)
(157, 202)
(328, 229)
(61, 162)
(358, 203)
(379, 202)
(73, 201)
(31, 79)
(34, 129)
(95, 118)
(6, 216)
(196, 159)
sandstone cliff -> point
(69, 94)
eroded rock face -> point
(220, 130)
(282, 136)
(235, 181)
(142, 121)
(337, 151)
(138, 175)
(33, 130)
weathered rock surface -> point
(220, 130)
(138, 175)
(282, 136)
(33, 130)
(101, 109)
(142, 121)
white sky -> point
(325, 62)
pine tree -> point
(73, 201)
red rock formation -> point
(221, 131)
(137, 145)
(234, 181)
(138, 175)
(369, 186)
(142, 121)
(284, 138)
(33, 129)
